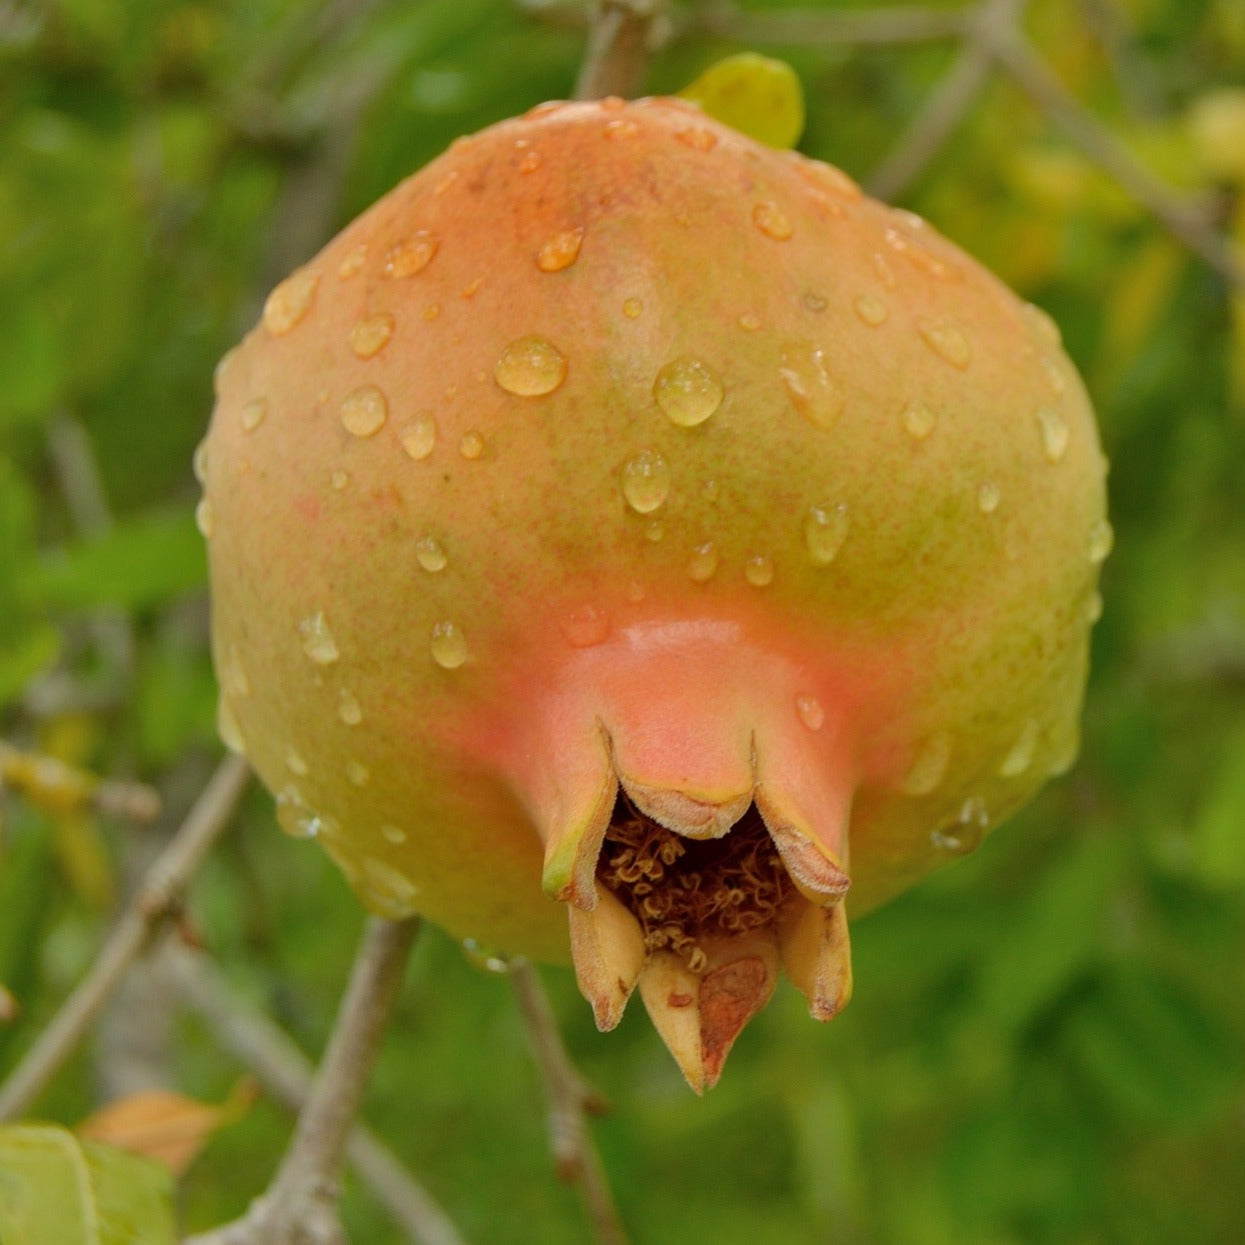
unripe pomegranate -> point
(627, 522)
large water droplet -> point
(1020, 756)
(770, 219)
(810, 712)
(348, 707)
(317, 640)
(204, 519)
(294, 815)
(1054, 430)
(966, 833)
(290, 302)
(560, 251)
(988, 497)
(1101, 540)
(929, 765)
(363, 411)
(869, 310)
(352, 261)
(448, 645)
(530, 366)
(825, 530)
(698, 138)
(947, 341)
(429, 554)
(688, 391)
(253, 414)
(585, 626)
(759, 570)
(410, 256)
(813, 392)
(370, 336)
(419, 437)
(645, 481)
(703, 564)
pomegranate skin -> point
(613, 446)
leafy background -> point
(1046, 1043)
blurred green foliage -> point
(1046, 1043)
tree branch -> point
(300, 1206)
(158, 899)
(619, 43)
(571, 1099)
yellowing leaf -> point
(166, 1127)
(756, 95)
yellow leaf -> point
(756, 95)
(164, 1126)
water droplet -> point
(317, 640)
(1101, 540)
(988, 497)
(561, 251)
(471, 446)
(370, 336)
(815, 302)
(918, 420)
(703, 564)
(825, 530)
(769, 218)
(929, 765)
(290, 302)
(1020, 757)
(419, 436)
(339, 479)
(832, 178)
(253, 414)
(919, 257)
(393, 834)
(358, 773)
(430, 555)
(749, 323)
(411, 256)
(654, 530)
(1054, 430)
(529, 162)
(1093, 610)
(886, 274)
(387, 890)
(869, 310)
(698, 138)
(294, 815)
(348, 708)
(530, 366)
(645, 481)
(363, 411)
(810, 712)
(1042, 321)
(295, 763)
(612, 103)
(445, 183)
(688, 391)
(481, 957)
(759, 571)
(632, 307)
(809, 385)
(227, 726)
(586, 626)
(203, 517)
(1054, 375)
(448, 645)
(199, 463)
(471, 289)
(352, 261)
(947, 341)
(619, 128)
(965, 834)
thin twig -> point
(571, 1099)
(620, 40)
(158, 899)
(300, 1206)
(57, 786)
(948, 104)
(266, 1049)
(1185, 222)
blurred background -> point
(1047, 1040)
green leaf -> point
(57, 1190)
(757, 95)
(140, 563)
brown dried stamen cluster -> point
(683, 891)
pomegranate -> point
(626, 522)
